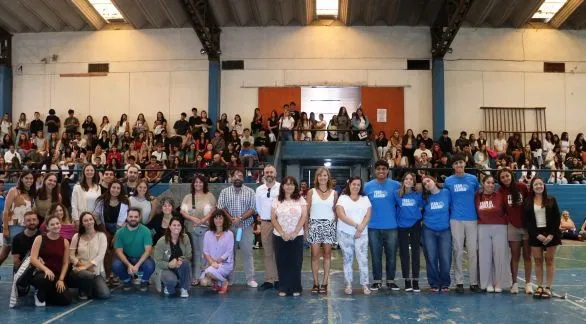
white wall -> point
(336, 56)
(150, 71)
(504, 68)
(154, 70)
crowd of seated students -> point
(64, 147)
(564, 160)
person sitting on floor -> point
(23, 242)
(86, 253)
(172, 257)
(568, 228)
(133, 244)
(218, 250)
(50, 255)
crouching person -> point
(172, 258)
(133, 245)
(50, 255)
(86, 253)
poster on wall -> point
(381, 115)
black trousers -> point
(47, 291)
(410, 236)
(289, 258)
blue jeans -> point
(287, 135)
(438, 256)
(379, 239)
(120, 269)
(171, 277)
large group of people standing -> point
(111, 242)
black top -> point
(22, 244)
(199, 130)
(89, 128)
(175, 251)
(36, 125)
(52, 123)
(156, 225)
(111, 213)
(193, 120)
(181, 127)
(428, 142)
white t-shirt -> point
(355, 210)
(499, 144)
(287, 123)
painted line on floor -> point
(567, 299)
(570, 259)
(67, 312)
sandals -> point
(348, 290)
(546, 293)
(366, 290)
(315, 289)
(323, 289)
(296, 294)
(195, 283)
(446, 289)
(538, 293)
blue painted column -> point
(438, 98)
(5, 90)
(214, 86)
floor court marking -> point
(59, 316)
(570, 259)
(568, 300)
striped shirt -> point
(238, 202)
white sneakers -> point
(252, 284)
(515, 288)
(184, 293)
(166, 291)
(528, 288)
(498, 289)
(489, 289)
(38, 303)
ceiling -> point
(23, 16)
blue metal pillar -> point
(438, 98)
(5, 90)
(214, 85)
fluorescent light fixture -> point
(327, 8)
(107, 10)
(548, 9)
(327, 164)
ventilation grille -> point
(550, 67)
(98, 67)
(233, 65)
(418, 65)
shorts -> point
(515, 234)
(534, 242)
(13, 230)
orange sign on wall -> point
(270, 98)
(390, 98)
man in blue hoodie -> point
(463, 222)
(382, 229)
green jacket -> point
(162, 254)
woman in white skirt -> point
(493, 252)
(321, 201)
(353, 210)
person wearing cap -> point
(265, 194)
(463, 222)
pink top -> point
(288, 214)
(67, 231)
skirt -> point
(322, 231)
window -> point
(548, 9)
(326, 8)
(107, 10)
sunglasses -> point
(268, 194)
